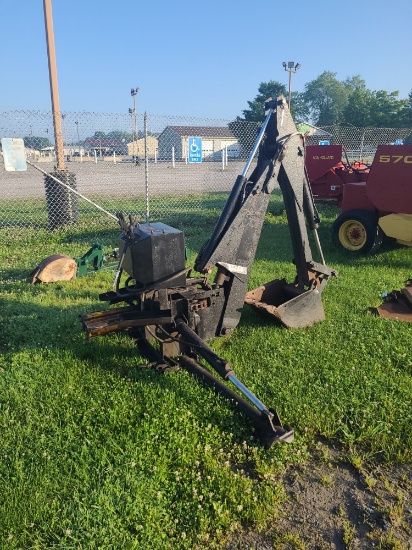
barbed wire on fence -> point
(122, 163)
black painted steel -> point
(268, 425)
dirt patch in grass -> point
(336, 502)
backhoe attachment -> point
(234, 241)
(170, 312)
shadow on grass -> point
(28, 327)
(390, 253)
(254, 319)
(22, 225)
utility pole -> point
(51, 54)
(62, 207)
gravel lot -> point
(125, 178)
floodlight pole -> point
(133, 93)
(133, 143)
(290, 67)
(63, 129)
(290, 88)
(78, 137)
(51, 54)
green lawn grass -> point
(97, 453)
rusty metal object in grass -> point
(397, 305)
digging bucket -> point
(292, 305)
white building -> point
(215, 139)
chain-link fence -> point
(151, 166)
(137, 164)
(359, 144)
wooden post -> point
(51, 54)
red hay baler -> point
(374, 202)
(328, 174)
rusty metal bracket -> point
(397, 305)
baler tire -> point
(357, 231)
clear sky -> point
(196, 58)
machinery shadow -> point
(59, 331)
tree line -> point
(327, 101)
(38, 142)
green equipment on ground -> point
(59, 267)
(91, 261)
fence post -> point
(361, 145)
(146, 169)
(173, 157)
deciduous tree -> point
(379, 108)
(36, 142)
(266, 90)
(326, 97)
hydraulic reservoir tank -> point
(155, 256)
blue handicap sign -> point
(399, 142)
(324, 142)
(194, 149)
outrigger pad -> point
(294, 307)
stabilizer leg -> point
(267, 421)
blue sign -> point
(324, 142)
(194, 149)
(399, 142)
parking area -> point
(122, 179)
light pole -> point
(78, 138)
(290, 67)
(63, 132)
(133, 141)
(133, 93)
